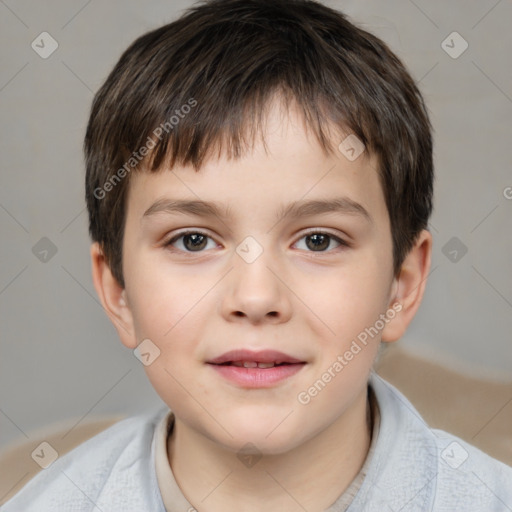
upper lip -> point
(259, 356)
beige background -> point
(60, 357)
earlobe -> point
(112, 297)
(409, 286)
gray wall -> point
(60, 356)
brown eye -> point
(191, 241)
(194, 242)
(317, 241)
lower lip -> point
(257, 377)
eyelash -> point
(342, 243)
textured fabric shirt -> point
(411, 467)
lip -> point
(256, 377)
(260, 356)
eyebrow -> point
(302, 208)
(342, 205)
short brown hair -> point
(224, 60)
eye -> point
(319, 241)
(197, 241)
(191, 241)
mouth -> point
(252, 359)
(255, 364)
(249, 369)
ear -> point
(112, 297)
(408, 287)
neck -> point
(311, 476)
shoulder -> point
(468, 476)
(119, 457)
(428, 469)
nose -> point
(256, 292)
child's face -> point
(308, 303)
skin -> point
(307, 303)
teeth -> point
(252, 364)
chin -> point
(258, 438)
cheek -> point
(173, 322)
(162, 302)
(349, 300)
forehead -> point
(287, 165)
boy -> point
(259, 182)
